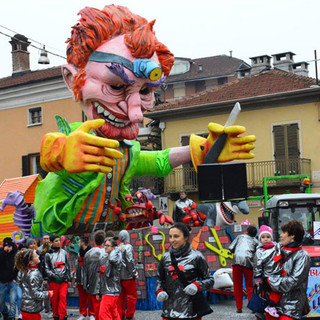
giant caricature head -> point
(114, 64)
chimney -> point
(300, 68)
(283, 61)
(20, 54)
(260, 63)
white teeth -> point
(117, 122)
(100, 109)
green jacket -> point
(60, 196)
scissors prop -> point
(157, 256)
(223, 253)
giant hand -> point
(235, 148)
(79, 151)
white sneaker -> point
(82, 317)
(92, 318)
(20, 316)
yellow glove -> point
(235, 148)
(80, 151)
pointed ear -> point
(68, 73)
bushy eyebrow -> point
(118, 70)
(156, 83)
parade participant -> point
(42, 250)
(8, 274)
(30, 280)
(243, 248)
(30, 244)
(267, 262)
(45, 241)
(128, 297)
(58, 272)
(84, 301)
(115, 62)
(296, 264)
(91, 271)
(177, 303)
(110, 281)
(178, 210)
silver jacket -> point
(266, 262)
(294, 284)
(33, 293)
(79, 267)
(194, 267)
(128, 268)
(56, 266)
(243, 248)
(91, 269)
(110, 273)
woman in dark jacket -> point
(174, 295)
(296, 263)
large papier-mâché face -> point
(117, 96)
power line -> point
(32, 45)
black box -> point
(222, 182)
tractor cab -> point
(304, 207)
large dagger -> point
(218, 145)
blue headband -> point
(141, 68)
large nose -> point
(134, 107)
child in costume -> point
(30, 280)
(57, 270)
(110, 286)
(267, 261)
(243, 248)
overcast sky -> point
(192, 29)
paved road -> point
(224, 310)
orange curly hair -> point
(98, 26)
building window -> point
(31, 165)
(286, 148)
(179, 91)
(222, 80)
(180, 67)
(34, 116)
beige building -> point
(279, 107)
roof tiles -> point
(265, 83)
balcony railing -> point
(155, 184)
(186, 178)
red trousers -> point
(95, 305)
(84, 301)
(268, 317)
(59, 299)
(128, 298)
(237, 272)
(30, 316)
(109, 308)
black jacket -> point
(8, 272)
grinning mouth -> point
(133, 212)
(109, 117)
(227, 212)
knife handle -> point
(216, 148)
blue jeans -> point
(19, 298)
(9, 288)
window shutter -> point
(293, 140)
(25, 166)
(279, 142)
